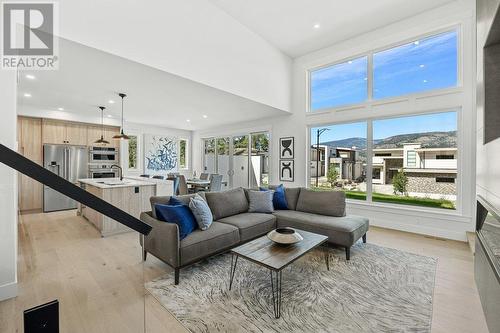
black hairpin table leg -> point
(233, 269)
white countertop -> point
(106, 183)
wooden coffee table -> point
(275, 257)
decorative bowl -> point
(285, 236)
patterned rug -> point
(378, 290)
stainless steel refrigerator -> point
(68, 162)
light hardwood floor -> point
(99, 281)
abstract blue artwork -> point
(160, 153)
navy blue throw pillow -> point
(175, 202)
(180, 215)
(279, 199)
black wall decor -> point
(287, 148)
(287, 170)
(287, 156)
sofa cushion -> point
(345, 230)
(201, 212)
(199, 244)
(227, 203)
(260, 201)
(180, 215)
(251, 225)
(291, 195)
(164, 200)
(330, 203)
(279, 198)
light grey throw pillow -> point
(260, 201)
(201, 212)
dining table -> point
(196, 182)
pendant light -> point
(101, 140)
(122, 135)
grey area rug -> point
(378, 290)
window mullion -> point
(369, 160)
(370, 77)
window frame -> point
(370, 100)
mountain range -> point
(428, 140)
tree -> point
(400, 182)
(332, 175)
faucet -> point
(119, 168)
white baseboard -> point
(8, 290)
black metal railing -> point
(44, 176)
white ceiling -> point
(88, 78)
(289, 25)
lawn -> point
(398, 199)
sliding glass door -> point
(259, 171)
(209, 160)
(242, 160)
(239, 168)
(223, 160)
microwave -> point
(103, 154)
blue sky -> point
(422, 65)
(437, 122)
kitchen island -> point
(130, 195)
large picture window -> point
(406, 156)
(422, 65)
(338, 159)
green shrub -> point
(400, 182)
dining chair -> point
(182, 189)
(145, 176)
(176, 185)
(215, 183)
(158, 177)
(204, 176)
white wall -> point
(452, 225)
(488, 157)
(8, 189)
(140, 130)
(190, 38)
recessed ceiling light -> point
(349, 62)
(416, 42)
(422, 66)
(425, 81)
(27, 95)
(30, 76)
(366, 79)
(205, 116)
(316, 26)
(188, 120)
(111, 101)
(109, 116)
(60, 109)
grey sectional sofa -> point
(319, 212)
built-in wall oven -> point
(102, 171)
(103, 154)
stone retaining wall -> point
(426, 183)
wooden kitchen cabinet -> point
(61, 132)
(76, 134)
(53, 131)
(29, 137)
